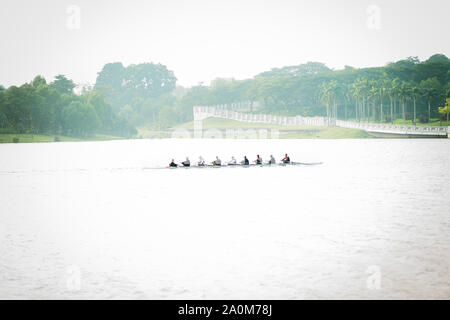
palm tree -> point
(356, 95)
(335, 90)
(389, 90)
(415, 91)
(382, 94)
(329, 92)
(372, 94)
(395, 94)
(325, 96)
(362, 93)
(348, 93)
(404, 93)
(366, 96)
(428, 94)
(430, 89)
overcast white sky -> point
(203, 39)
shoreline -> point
(6, 138)
(220, 128)
(311, 134)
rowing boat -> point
(245, 166)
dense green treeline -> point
(407, 89)
(140, 93)
(146, 94)
(310, 89)
(53, 109)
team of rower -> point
(233, 162)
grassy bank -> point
(29, 138)
(286, 132)
(326, 133)
(151, 133)
(399, 122)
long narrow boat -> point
(244, 166)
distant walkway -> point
(395, 129)
(203, 112)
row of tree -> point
(41, 108)
(142, 93)
(126, 97)
(407, 89)
(384, 100)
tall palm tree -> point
(372, 95)
(363, 90)
(381, 94)
(329, 92)
(388, 90)
(357, 96)
(325, 97)
(415, 92)
(395, 95)
(404, 93)
(336, 91)
(430, 89)
(428, 94)
(348, 94)
(366, 98)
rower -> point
(217, 162)
(272, 160)
(286, 159)
(258, 159)
(232, 162)
(173, 164)
(186, 163)
(201, 162)
(245, 162)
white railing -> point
(394, 129)
(203, 112)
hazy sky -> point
(204, 39)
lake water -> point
(93, 220)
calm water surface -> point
(93, 220)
